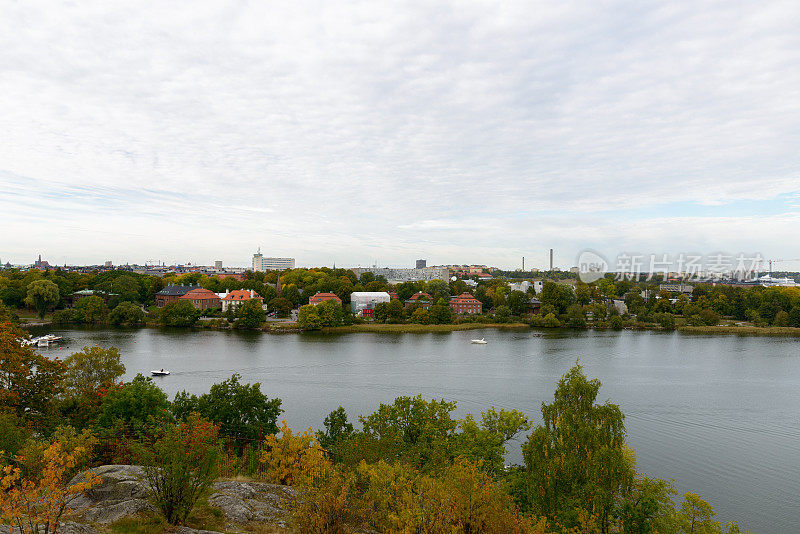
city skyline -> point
(324, 133)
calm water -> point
(717, 414)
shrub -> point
(180, 466)
(294, 459)
(615, 322)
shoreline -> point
(383, 328)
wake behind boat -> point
(481, 341)
(159, 372)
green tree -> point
(502, 314)
(250, 315)
(42, 294)
(90, 310)
(281, 306)
(413, 430)
(519, 302)
(137, 405)
(696, 516)
(484, 444)
(180, 313)
(242, 411)
(560, 296)
(420, 316)
(330, 313)
(308, 318)
(576, 459)
(337, 430)
(441, 313)
(126, 313)
(92, 368)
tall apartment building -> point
(260, 263)
(405, 275)
(421, 264)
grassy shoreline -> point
(786, 331)
(419, 328)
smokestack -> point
(523, 263)
(551, 259)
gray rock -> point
(122, 493)
(243, 502)
(67, 527)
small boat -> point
(481, 341)
(161, 372)
(45, 341)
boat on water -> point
(159, 372)
(481, 341)
(44, 341)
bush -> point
(294, 459)
(180, 466)
(615, 322)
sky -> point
(362, 133)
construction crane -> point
(777, 261)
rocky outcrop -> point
(121, 493)
(245, 502)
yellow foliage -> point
(37, 504)
(294, 459)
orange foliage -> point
(38, 505)
(294, 459)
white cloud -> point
(351, 131)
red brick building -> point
(202, 299)
(319, 298)
(465, 304)
(171, 294)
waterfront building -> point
(423, 300)
(465, 304)
(202, 298)
(231, 300)
(171, 293)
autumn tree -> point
(42, 294)
(293, 459)
(29, 382)
(93, 367)
(180, 466)
(36, 505)
(575, 461)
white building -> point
(367, 300)
(260, 263)
(525, 285)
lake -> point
(718, 414)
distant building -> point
(260, 263)
(405, 275)
(465, 304)
(393, 296)
(42, 265)
(367, 300)
(78, 295)
(218, 265)
(231, 300)
(423, 300)
(171, 294)
(319, 298)
(421, 264)
(202, 298)
(108, 263)
(525, 285)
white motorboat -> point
(159, 372)
(481, 341)
(45, 341)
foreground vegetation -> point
(410, 466)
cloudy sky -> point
(361, 132)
